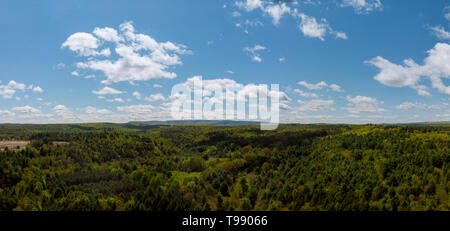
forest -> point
(143, 167)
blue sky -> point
(337, 61)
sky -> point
(336, 61)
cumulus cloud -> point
(308, 25)
(276, 11)
(155, 97)
(138, 112)
(250, 5)
(315, 105)
(440, 32)
(28, 112)
(317, 86)
(336, 88)
(157, 85)
(137, 95)
(363, 6)
(306, 94)
(38, 89)
(311, 27)
(115, 100)
(238, 91)
(436, 66)
(236, 14)
(5, 114)
(84, 44)
(409, 105)
(253, 52)
(9, 90)
(94, 110)
(108, 34)
(361, 104)
(64, 113)
(340, 34)
(140, 57)
(107, 91)
(320, 85)
(60, 66)
(26, 109)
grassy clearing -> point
(14, 145)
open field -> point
(14, 145)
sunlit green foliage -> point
(296, 167)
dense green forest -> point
(203, 167)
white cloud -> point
(8, 91)
(107, 91)
(108, 34)
(157, 85)
(336, 88)
(5, 113)
(38, 89)
(155, 97)
(440, 32)
(361, 104)
(306, 94)
(315, 105)
(93, 110)
(60, 66)
(229, 72)
(138, 112)
(363, 6)
(409, 105)
(436, 66)
(213, 83)
(140, 56)
(253, 51)
(137, 95)
(321, 85)
(115, 100)
(281, 60)
(308, 25)
(235, 90)
(236, 14)
(250, 5)
(15, 85)
(317, 86)
(75, 73)
(64, 113)
(276, 11)
(341, 35)
(28, 112)
(84, 44)
(253, 90)
(311, 28)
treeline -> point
(194, 168)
